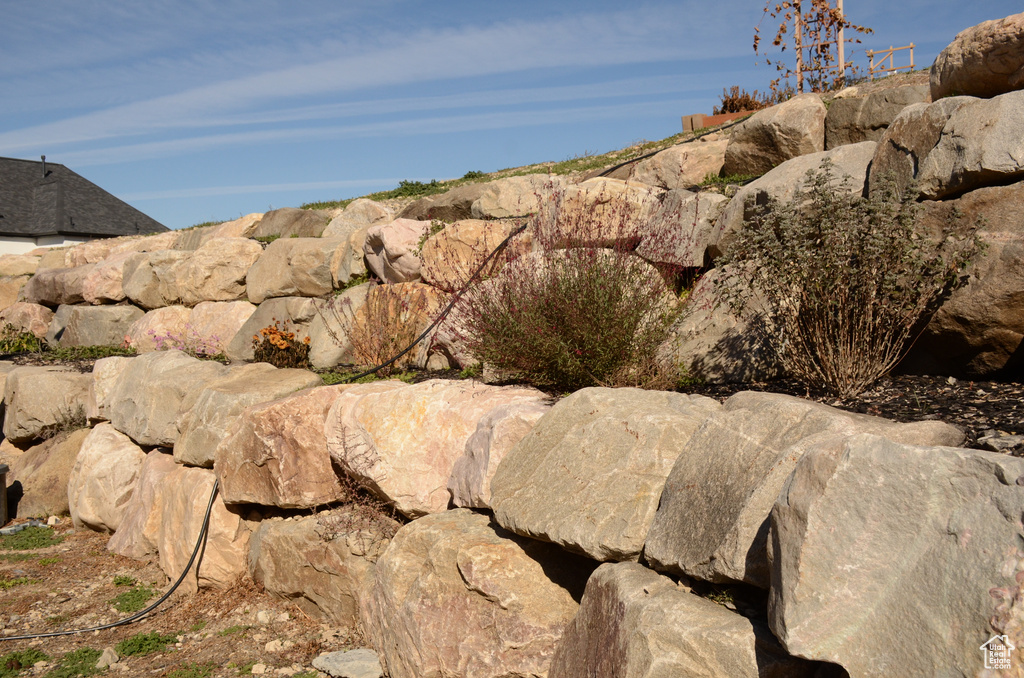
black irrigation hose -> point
(200, 544)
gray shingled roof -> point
(62, 203)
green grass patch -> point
(715, 180)
(85, 353)
(134, 599)
(29, 539)
(125, 580)
(232, 630)
(14, 340)
(16, 557)
(6, 584)
(144, 643)
(192, 670)
(198, 626)
(81, 662)
(53, 560)
(13, 663)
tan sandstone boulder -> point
(103, 479)
(138, 535)
(297, 267)
(683, 165)
(105, 373)
(28, 317)
(774, 135)
(392, 249)
(453, 254)
(38, 479)
(40, 401)
(983, 61)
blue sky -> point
(209, 109)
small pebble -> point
(259, 669)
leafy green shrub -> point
(15, 340)
(144, 643)
(267, 239)
(845, 281)
(277, 344)
(11, 583)
(13, 663)
(85, 353)
(134, 599)
(192, 670)
(80, 662)
(125, 580)
(231, 630)
(580, 310)
(29, 539)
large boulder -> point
(16, 265)
(275, 454)
(295, 313)
(292, 221)
(597, 212)
(138, 535)
(453, 254)
(774, 135)
(104, 281)
(402, 441)
(514, 196)
(455, 595)
(56, 286)
(888, 558)
(359, 213)
(37, 484)
(330, 342)
(392, 249)
(982, 144)
(451, 205)
(297, 267)
(151, 392)
(849, 166)
(98, 325)
(851, 120)
(160, 329)
(11, 290)
(687, 226)
(213, 324)
(27, 317)
(220, 402)
(683, 165)
(635, 623)
(41, 401)
(150, 278)
(324, 574)
(181, 501)
(982, 61)
(103, 479)
(589, 475)
(978, 330)
(712, 522)
(105, 374)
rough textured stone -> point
(498, 432)
(982, 61)
(139, 532)
(220, 402)
(923, 536)
(158, 329)
(452, 205)
(38, 479)
(149, 279)
(589, 475)
(323, 573)
(635, 623)
(394, 310)
(514, 196)
(292, 221)
(213, 324)
(907, 142)
(242, 227)
(39, 400)
(782, 183)
(297, 267)
(27, 317)
(682, 165)
(852, 120)
(103, 281)
(978, 330)
(361, 663)
(14, 265)
(56, 286)
(457, 596)
(982, 144)
(774, 135)
(276, 453)
(402, 441)
(392, 249)
(452, 255)
(181, 500)
(688, 226)
(58, 323)
(10, 290)
(105, 373)
(599, 211)
(297, 312)
(359, 213)
(103, 479)
(329, 342)
(146, 399)
(98, 325)
(712, 522)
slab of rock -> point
(514, 196)
(103, 479)
(219, 402)
(589, 474)
(600, 212)
(849, 163)
(242, 227)
(276, 453)
(498, 432)
(325, 575)
(37, 484)
(682, 165)
(56, 286)
(40, 401)
(14, 265)
(27, 317)
(103, 281)
(138, 535)
(485, 603)
(923, 537)
(150, 279)
(159, 329)
(978, 330)
(402, 310)
(774, 135)
(329, 341)
(213, 324)
(453, 254)
(147, 398)
(712, 522)
(292, 221)
(10, 289)
(983, 61)
(298, 312)
(361, 663)
(297, 267)
(98, 325)
(851, 120)
(392, 249)
(982, 144)
(105, 373)
(687, 227)
(635, 623)
(402, 441)
(359, 213)
(451, 205)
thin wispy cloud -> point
(213, 191)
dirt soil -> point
(236, 632)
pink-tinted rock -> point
(452, 255)
(391, 249)
(27, 317)
(157, 328)
(103, 479)
(139, 533)
(43, 472)
(682, 165)
(102, 282)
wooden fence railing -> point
(880, 67)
